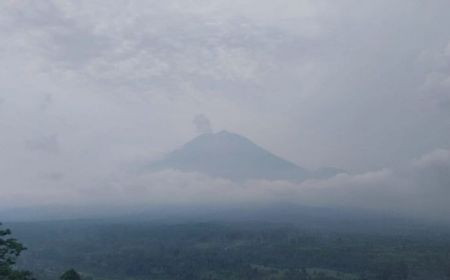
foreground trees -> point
(10, 249)
(70, 274)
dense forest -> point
(120, 250)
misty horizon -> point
(93, 92)
(225, 140)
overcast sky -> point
(88, 87)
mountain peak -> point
(227, 133)
(220, 134)
(224, 132)
(232, 156)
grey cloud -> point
(437, 83)
(47, 101)
(354, 84)
(151, 49)
(202, 124)
(416, 189)
(48, 144)
(53, 176)
(65, 41)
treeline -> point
(10, 250)
(230, 251)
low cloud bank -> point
(420, 188)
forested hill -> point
(119, 250)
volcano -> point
(234, 157)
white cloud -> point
(321, 83)
(417, 189)
(437, 83)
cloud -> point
(48, 144)
(437, 83)
(139, 49)
(416, 189)
(419, 189)
(202, 124)
(89, 87)
(318, 73)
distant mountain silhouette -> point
(232, 156)
(326, 172)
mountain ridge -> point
(232, 156)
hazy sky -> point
(90, 87)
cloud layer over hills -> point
(416, 189)
(88, 88)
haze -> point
(90, 91)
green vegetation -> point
(70, 274)
(10, 249)
(222, 251)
